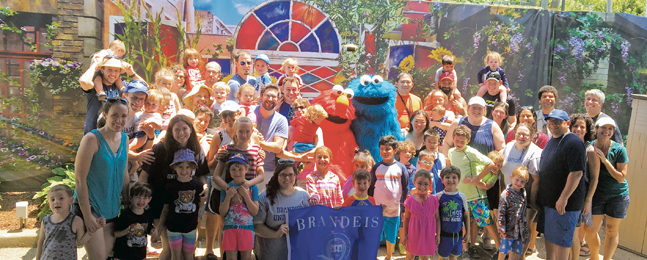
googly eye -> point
(377, 80)
(364, 80)
(337, 90)
(349, 93)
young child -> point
(431, 144)
(361, 160)
(406, 151)
(389, 185)
(487, 180)
(447, 66)
(469, 160)
(428, 161)
(238, 207)
(261, 66)
(453, 215)
(421, 219)
(179, 218)
(150, 115)
(133, 224)
(191, 60)
(116, 49)
(164, 79)
(512, 216)
(61, 231)
(440, 122)
(290, 66)
(361, 180)
(245, 96)
(220, 92)
(323, 185)
(492, 63)
(305, 129)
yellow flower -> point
(438, 54)
(227, 78)
(407, 63)
(274, 79)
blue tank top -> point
(482, 139)
(106, 177)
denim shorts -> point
(559, 229)
(615, 207)
(513, 245)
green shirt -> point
(471, 162)
(608, 186)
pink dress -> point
(422, 226)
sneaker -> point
(101, 96)
(474, 254)
(402, 249)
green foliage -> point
(636, 7)
(55, 75)
(64, 175)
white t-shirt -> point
(514, 158)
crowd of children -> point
(434, 203)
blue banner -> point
(320, 232)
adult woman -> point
(522, 152)
(582, 126)
(418, 124)
(180, 81)
(611, 197)
(179, 135)
(527, 115)
(500, 117)
(100, 169)
(270, 224)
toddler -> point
(406, 151)
(261, 66)
(421, 219)
(447, 66)
(245, 96)
(512, 216)
(361, 160)
(220, 92)
(453, 215)
(492, 63)
(323, 185)
(116, 49)
(191, 60)
(179, 218)
(133, 224)
(61, 231)
(439, 122)
(290, 66)
(305, 129)
(238, 207)
(165, 78)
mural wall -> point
(44, 49)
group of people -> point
(158, 157)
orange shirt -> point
(413, 104)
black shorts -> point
(76, 210)
(493, 196)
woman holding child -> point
(100, 169)
(270, 222)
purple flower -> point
(600, 35)
(559, 48)
(22, 153)
(615, 106)
(45, 152)
(477, 40)
(496, 44)
(515, 40)
(43, 34)
(568, 103)
(436, 6)
(625, 51)
(578, 47)
(46, 166)
(599, 50)
(40, 162)
(23, 28)
(529, 47)
(630, 91)
(41, 133)
(562, 77)
(2, 21)
(2, 143)
(23, 142)
(497, 29)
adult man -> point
(493, 95)
(273, 126)
(406, 103)
(211, 73)
(561, 190)
(547, 98)
(109, 71)
(290, 92)
(458, 106)
(243, 70)
(594, 99)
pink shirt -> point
(325, 189)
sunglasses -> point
(243, 63)
(284, 161)
(115, 99)
(110, 56)
(227, 114)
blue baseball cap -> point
(135, 86)
(264, 58)
(184, 155)
(558, 114)
(237, 157)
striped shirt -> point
(325, 189)
(254, 159)
(389, 185)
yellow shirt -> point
(413, 103)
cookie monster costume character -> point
(336, 128)
(375, 113)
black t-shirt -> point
(132, 246)
(160, 173)
(490, 100)
(560, 157)
(183, 199)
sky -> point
(229, 11)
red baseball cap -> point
(447, 75)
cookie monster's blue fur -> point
(375, 113)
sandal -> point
(531, 251)
(584, 250)
(211, 257)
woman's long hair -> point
(273, 187)
(172, 146)
(413, 115)
(505, 127)
(237, 123)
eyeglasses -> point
(289, 175)
(115, 99)
(427, 162)
(243, 63)
(110, 56)
(284, 161)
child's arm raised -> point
(482, 90)
(41, 240)
(503, 93)
(224, 205)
